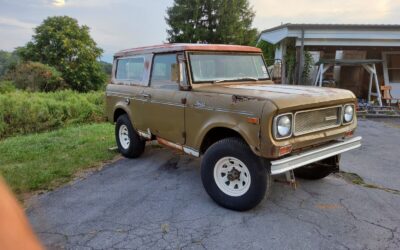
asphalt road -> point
(158, 202)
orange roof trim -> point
(171, 47)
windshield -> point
(227, 67)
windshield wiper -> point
(237, 79)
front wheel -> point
(233, 176)
(129, 142)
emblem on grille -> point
(330, 118)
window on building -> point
(393, 67)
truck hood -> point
(285, 96)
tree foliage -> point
(268, 51)
(62, 43)
(211, 21)
(107, 67)
(4, 59)
(7, 61)
(35, 76)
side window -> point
(130, 70)
(161, 75)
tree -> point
(4, 60)
(107, 67)
(60, 42)
(7, 61)
(268, 50)
(211, 21)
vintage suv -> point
(217, 102)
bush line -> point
(28, 112)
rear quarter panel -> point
(117, 97)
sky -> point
(121, 24)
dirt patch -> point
(357, 180)
(171, 164)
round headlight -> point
(284, 126)
(348, 113)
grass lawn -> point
(46, 160)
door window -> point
(161, 75)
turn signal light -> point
(253, 120)
(348, 134)
(285, 150)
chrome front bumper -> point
(314, 155)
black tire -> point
(318, 170)
(260, 178)
(136, 144)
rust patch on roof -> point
(171, 47)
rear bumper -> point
(314, 155)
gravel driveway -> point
(158, 202)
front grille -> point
(317, 119)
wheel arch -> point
(117, 113)
(218, 133)
(119, 110)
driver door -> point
(164, 108)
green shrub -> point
(24, 112)
(35, 76)
(6, 87)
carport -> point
(368, 65)
(360, 42)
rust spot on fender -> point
(239, 98)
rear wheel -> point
(128, 141)
(233, 176)
(318, 170)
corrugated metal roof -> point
(335, 26)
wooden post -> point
(283, 61)
(378, 90)
(370, 88)
(301, 60)
(321, 76)
(297, 67)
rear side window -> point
(130, 69)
